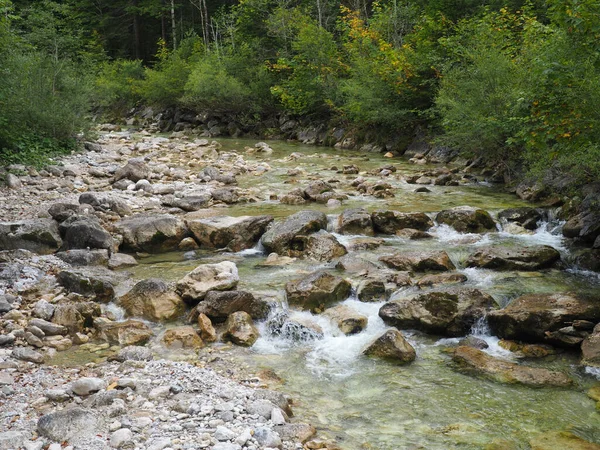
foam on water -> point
(481, 330)
(448, 235)
(480, 278)
(545, 234)
(112, 309)
(593, 371)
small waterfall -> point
(481, 330)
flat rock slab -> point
(232, 233)
(36, 235)
(67, 424)
(527, 258)
(423, 261)
(152, 233)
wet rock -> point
(75, 316)
(240, 329)
(152, 299)
(282, 236)
(590, 349)
(441, 278)
(472, 341)
(322, 246)
(27, 354)
(317, 290)
(86, 386)
(391, 345)
(121, 261)
(359, 244)
(390, 222)
(84, 232)
(347, 319)
(474, 360)
(152, 233)
(524, 258)
(564, 440)
(207, 331)
(530, 317)
(182, 337)
(232, 233)
(589, 259)
(294, 328)
(220, 305)
(423, 261)
(95, 282)
(355, 221)
(527, 350)
(467, 219)
(68, 424)
(83, 258)
(208, 277)
(135, 170)
(295, 431)
(449, 312)
(317, 188)
(372, 291)
(412, 234)
(524, 216)
(36, 235)
(130, 332)
(355, 265)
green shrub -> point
(118, 85)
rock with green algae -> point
(562, 440)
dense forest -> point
(516, 83)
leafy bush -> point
(118, 85)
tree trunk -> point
(136, 32)
(173, 25)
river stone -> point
(190, 203)
(372, 291)
(531, 317)
(232, 233)
(419, 261)
(100, 202)
(475, 342)
(441, 278)
(391, 345)
(134, 353)
(301, 432)
(563, 440)
(240, 329)
(86, 386)
(356, 265)
(355, 221)
(121, 437)
(182, 337)
(219, 305)
(524, 258)
(76, 316)
(266, 437)
(84, 258)
(297, 329)
(135, 170)
(68, 424)
(281, 237)
(152, 233)
(121, 261)
(10, 440)
(317, 188)
(322, 246)
(152, 299)
(364, 243)
(390, 222)
(347, 319)
(207, 331)
(81, 232)
(27, 354)
(524, 216)
(448, 312)
(62, 211)
(590, 349)
(98, 283)
(208, 277)
(36, 235)
(479, 362)
(467, 219)
(130, 332)
(43, 310)
(49, 328)
(317, 290)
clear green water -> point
(370, 404)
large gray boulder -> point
(68, 424)
(232, 233)
(81, 232)
(135, 170)
(448, 312)
(37, 235)
(524, 216)
(195, 285)
(152, 299)
(355, 221)
(218, 305)
(84, 257)
(152, 233)
(283, 236)
(322, 246)
(419, 261)
(524, 258)
(94, 282)
(390, 222)
(317, 290)
(467, 219)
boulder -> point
(317, 290)
(531, 317)
(590, 349)
(448, 312)
(135, 170)
(282, 236)
(152, 233)
(240, 329)
(227, 195)
(97, 283)
(220, 305)
(322, 246)
(207, 331)
(372, 291)
(476, 361)
(81, 232)
(297, 329)
(86, 386)
(195, 285)
(68, 424)
(48, 328)
(27, 354)
(134, 353)
(84, 258)
(62, 211)
(389, 222)
(317, 188)
(467, 219)
(36, 235)
(422, 261)
(130, 332)
(121, 261)
(355, 221)
(232, 233)
(412, 234)
(563, 440)
(182, 337)
(523, 258)
(524, 216)
(356, 265)
(392, 346)
(301, 432)
(105, 203)
(152, 299)
(441, 278)
(76, 316)
(189, 203)
(348, 320)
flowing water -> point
(370, 404)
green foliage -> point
(118, 85)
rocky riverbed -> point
(152, 288)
